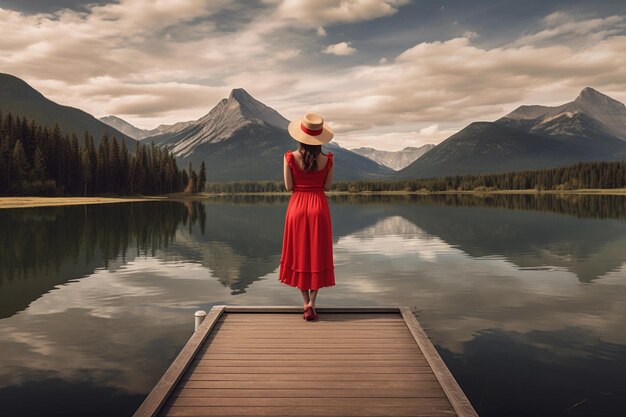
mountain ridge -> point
(608, 111)
(125, 127)
(241, 138)
(21, 99)
(395, 160)
(531, 137)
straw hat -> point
(310, 129)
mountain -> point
(243, 139)
(20, 99)
(488, 147)
(606, 112)
(125, 127)
(395, 160)
(590, 128)
(137, 133)
(230, 115)
(170, 129)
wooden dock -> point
(268, 361)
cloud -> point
(454, 81)
(395, 137)
(563, 27)
(323, 12)
(339, 49)
(150, 65)
(111, 58)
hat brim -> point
(298, 134)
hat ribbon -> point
(311, 132)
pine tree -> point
(74, 168)
(103, 165)
(87, 169)
(202, 178)
(124, 168)
(5, 165)
(114, 167)
(19, 166)
(39, 166)
(184, 180)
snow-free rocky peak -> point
(607, 110)
(253, 110)
(590, 103)
(239, 110)
(589, 97)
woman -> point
(306, 261)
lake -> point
(524, 296)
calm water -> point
(524, 297)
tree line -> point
(578, 176)
(36, 160)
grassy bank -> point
(22, 202)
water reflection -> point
(523, 296)
(43, 247)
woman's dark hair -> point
(309, 155)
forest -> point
(36, 160)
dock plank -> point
(201, 376)
(306, 393)
(310, 410)
(316, 369)
(306, 384)
(358, 356)
(305, 401)
(267, 361)
(318, 349)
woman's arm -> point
(287, 175)
(329, 178)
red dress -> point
(306, 261)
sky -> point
(385, 74)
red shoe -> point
(308, 314)
(314, 314)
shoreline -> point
(26, 202)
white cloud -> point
(321, 31)
(153, 66)
(339, 49)
(322, 12)
(395, 137)
(564, 27)
(455, 82)
(114, 58)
